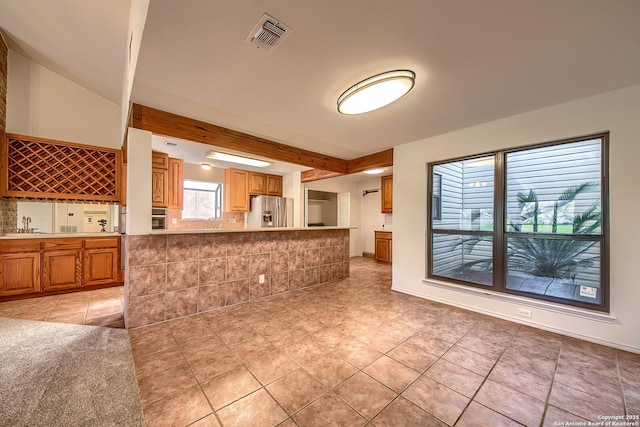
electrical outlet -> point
(174, 221)
(524, 312)
(261, 279)
(232, 220)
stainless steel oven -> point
(159, 220)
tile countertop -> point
(247, 230)
(54, 235)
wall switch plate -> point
(174, 221)
(524, 312)
(232, 220)
(261, 279)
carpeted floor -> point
(54, 374)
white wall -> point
(44, 104)
(138, 182)
(344, 185)
(618, 112)
(196, 173)
(371, 217)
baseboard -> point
(519, 320)
(368, 255)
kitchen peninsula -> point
(172, 274)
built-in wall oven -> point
(159, 220)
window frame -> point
(500, 234)
(217, 195)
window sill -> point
(543, 305)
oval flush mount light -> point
(376, 92)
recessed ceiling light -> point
(225, 157)
(205, 166)
(376, 92)
(374, 171)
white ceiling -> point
(475, 61)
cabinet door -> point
(159, 160)
(61, 270)
(236, 192)
(20, 273)
(176, 183)
(159, 187)
(100, 266)
(257, 183)
(382, 250)
(387, 194)
(274, 185)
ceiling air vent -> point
(268, 33)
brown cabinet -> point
(61, 269)
(159, 160)
(383, 246)
(176, 183)
(257, 183)
(19, 273)
(261, 184)
(236, 192)
(100, 261)
(48, 265)
(274, 185)
(387, 194)
(159, 188)
(159, 179)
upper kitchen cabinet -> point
(387, 194)
(257, 183)
(261, 184)
(167, 181)
(176, 183)
(274, 185)
(159, 188)
(236, 191)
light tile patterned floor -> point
(355, 353)
(101, 307)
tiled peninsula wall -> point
(174, 275)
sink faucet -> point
(25, 225)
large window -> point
(529, 221)
(202, 200)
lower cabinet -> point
(383, 246)
(32, 266)
(100, 266)
(61, 269)
(20, 273)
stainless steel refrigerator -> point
(270, 211)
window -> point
(529, 221)
(202, 200)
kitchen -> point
(167, 180)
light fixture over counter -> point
(375, 171)
(225, 157)
(376, 92)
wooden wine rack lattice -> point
(38, 168)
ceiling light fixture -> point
(205, 166)
(374, 171)
(224, 157)
(376, 92)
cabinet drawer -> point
(105, 242)
(13, 246)
(383, 235)
(55, 244)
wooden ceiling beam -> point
(371, 161)
(376, 160)
(316, 175)
(176, 126)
